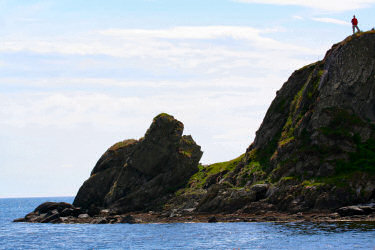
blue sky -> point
(78, 76)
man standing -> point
(355, 24)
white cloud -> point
(331, 5)
(210, 51)
(178, 41)
(103, 110)
(230, 82)
(188, 32)
(331, 20)
(298, 17)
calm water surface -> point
(177, 235)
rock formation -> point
(315, 148)
(136, 175)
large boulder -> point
(136, 175)
(49, 206)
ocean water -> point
(176, 235)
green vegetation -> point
(342, 179)
(164, 115)
(288, 178)
(312, 183)
(356, 35)
(309, 66)
(341, 125)
(363, 160)
(263, 156)
(185, 153)
(297, 109)
(315, 84)
(299, 105)
(254, 170)
(122, 144)
(199, 179)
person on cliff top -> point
(355, 24)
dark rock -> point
(350, 211)
(51, 212)
(67, 212)
(270, 218)
(258, 207)
(214, 179)
(93, 210)
(100, 220)
(49, 206)
(77, 211)
(128, 219)
(327, 201)
(220, 198)
(20, 220)
(31, 215)
(367, 209)
(212, 219)
(50, 218)
(260, 190)
(38, 218)
(138, 175)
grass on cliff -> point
(356, 35)
(122, 144)
(296, 107)
(199, 179)
(341, 127)
(300, 105)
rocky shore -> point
(53, 212)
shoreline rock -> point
(190, 217)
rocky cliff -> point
(315, 149)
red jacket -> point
(354, 21)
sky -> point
(78, 76)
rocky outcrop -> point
(328, 105)
(136, 175)
(61, 212)
(356, 210)
(315, 148)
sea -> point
(251, 235)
